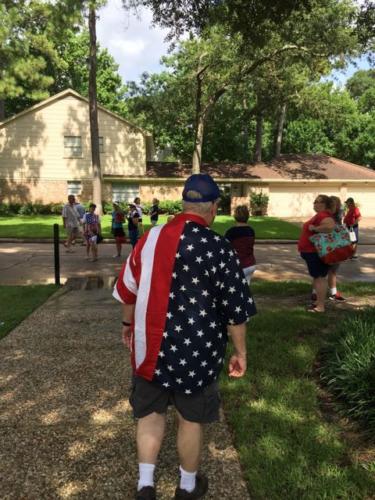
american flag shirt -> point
(205, 291)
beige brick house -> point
(45, 151)
(45, 155)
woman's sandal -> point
(313, 309)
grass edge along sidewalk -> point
(287, 446)
(40, 226)
(17, 302)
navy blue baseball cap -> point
(202, 184)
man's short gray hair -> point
(199, 207)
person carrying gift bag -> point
(322, 222)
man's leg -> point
(150, 433)
(189, 443)
(189, 446)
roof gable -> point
(62, 95)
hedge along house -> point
(45, 151)
(291, 182)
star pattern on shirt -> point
(207, 293)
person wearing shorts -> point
(118, 220)
(321, 222)
(196, 294)
(71, 222)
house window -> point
(101, 144)
(72, 146)
(125, 192)
(74, 187)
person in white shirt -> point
(138, 206)
(71, 222)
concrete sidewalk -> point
(66, 428)
(32, 263)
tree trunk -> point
(258, 137)
(245, 131)
(93, 106)
(2, 110)
(280, 127)
(198, 143)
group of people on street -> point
(81, 224)
(86, 225)
(329, 212)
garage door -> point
(295, 201)
(365, 199)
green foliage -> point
(349, 367)
(30, 209)
(286, 446)
(29, 33)
(306, 136)
(258, 198)
(360, 82)
(74, 50)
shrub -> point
(26, 209)
(349, 367)
(170, 207)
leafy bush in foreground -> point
(349, 367)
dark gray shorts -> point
(201, 407)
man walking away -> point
(71, 222)
(183, 291)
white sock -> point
(314, 291)
(187, 481)
(146, 475)
(333, 291)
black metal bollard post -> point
(56, 247)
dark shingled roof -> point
(287, 167)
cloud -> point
(134, 44)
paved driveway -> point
(32, 263)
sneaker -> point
(337, 297)
(314, 297)
(146, 493)
(117, 256)
(199, 491)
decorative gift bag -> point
(335, 246)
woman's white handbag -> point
(352, 235)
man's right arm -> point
(238, 361)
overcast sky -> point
(138, 47)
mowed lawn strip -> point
(286, 446)
(17, 302)
(41, 226)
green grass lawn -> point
(286, 446)
(17, 302)
(41, 226)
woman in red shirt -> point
(351, 219)
(322, 222)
